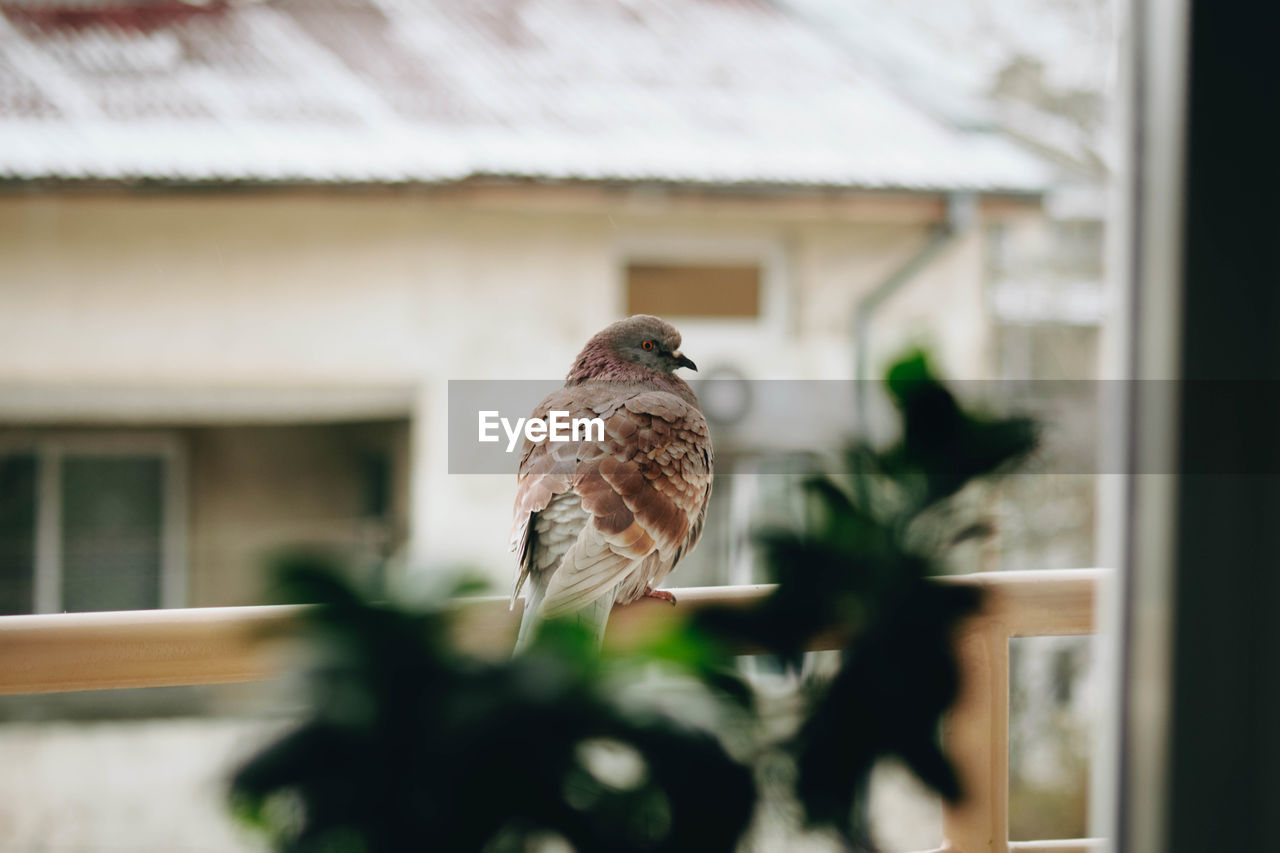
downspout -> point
(961, 207)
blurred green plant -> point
(413, 745)
(859, 570)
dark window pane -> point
(702, 290)
(111, 526)
(17, 532)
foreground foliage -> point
(413, 745)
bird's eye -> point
(648, 346)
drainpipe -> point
(961, 208)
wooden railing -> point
(156, 648)
(976, 731)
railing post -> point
(976, 735)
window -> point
(90, 523)
(727, 291)
(17, 532)
(694, 290)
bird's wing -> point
(644, 488)
(546, 470)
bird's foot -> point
(660, 594)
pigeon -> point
(599, 523)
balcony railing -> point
(158, 648)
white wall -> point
(282, 290)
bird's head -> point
(648, 341)
(630, 350)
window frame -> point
(49, 448)
(767, 252)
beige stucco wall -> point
(280, 290)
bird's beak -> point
(684, 361)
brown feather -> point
(643, 489)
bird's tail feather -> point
(530, 618)
(594, 617)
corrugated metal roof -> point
(715, 92)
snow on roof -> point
(711, 92)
